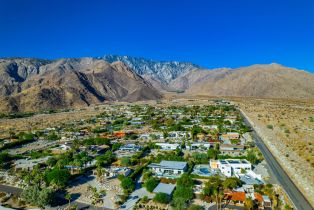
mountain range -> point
(34, 84)
(28, 84)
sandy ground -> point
(286, 128)
(79, 190)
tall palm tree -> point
(218, 193)
(249, 203)
(68, 197)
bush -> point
(270, 126)
(125, 161)
(161, 198)
(36, 196)
(151, 184)
(127, 184)
(4, 159)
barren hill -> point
(260, 81)
(32, 84)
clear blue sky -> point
(211, 33)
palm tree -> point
(249, 203)
(68, 197)
(218, 193)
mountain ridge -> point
(30, 83)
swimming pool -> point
(203, 170)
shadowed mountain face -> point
(32, 84)
(261, 81)
(159, 73)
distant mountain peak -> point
(163, 71)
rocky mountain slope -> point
(32, 84)
(261, 81)
(159, 73)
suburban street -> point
(298, 199)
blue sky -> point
(211, 33)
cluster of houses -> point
(120, 122)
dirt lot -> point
(287, 127)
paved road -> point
(9, 189)
(63, 202)
(298, 199)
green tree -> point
(45, 197)
(116, 146)
(127, 184)
(125, 161)
(178, 203)
(4, 159)
(252, 157)
(35, 196)
(213, 188)
(183, 193)
(185, 180)
(231, 183)
(162, 198)
(68, 197)
(151, 184)
(53, 136)
(58, 177)
(212, 153)
(106, 158)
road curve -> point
(297, 198)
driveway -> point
(140, 192)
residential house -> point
(130, 147)
(168, 146)
(201, 145)
(235, 197)
(231, 149)
(231, 167)
(28, 164)
(169, 169)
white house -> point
(231, 167)
(168, 146)
(198, 146)
(169, 169)
(178, 134)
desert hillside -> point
(31, 84)
(260, 81)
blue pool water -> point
(204, 170)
